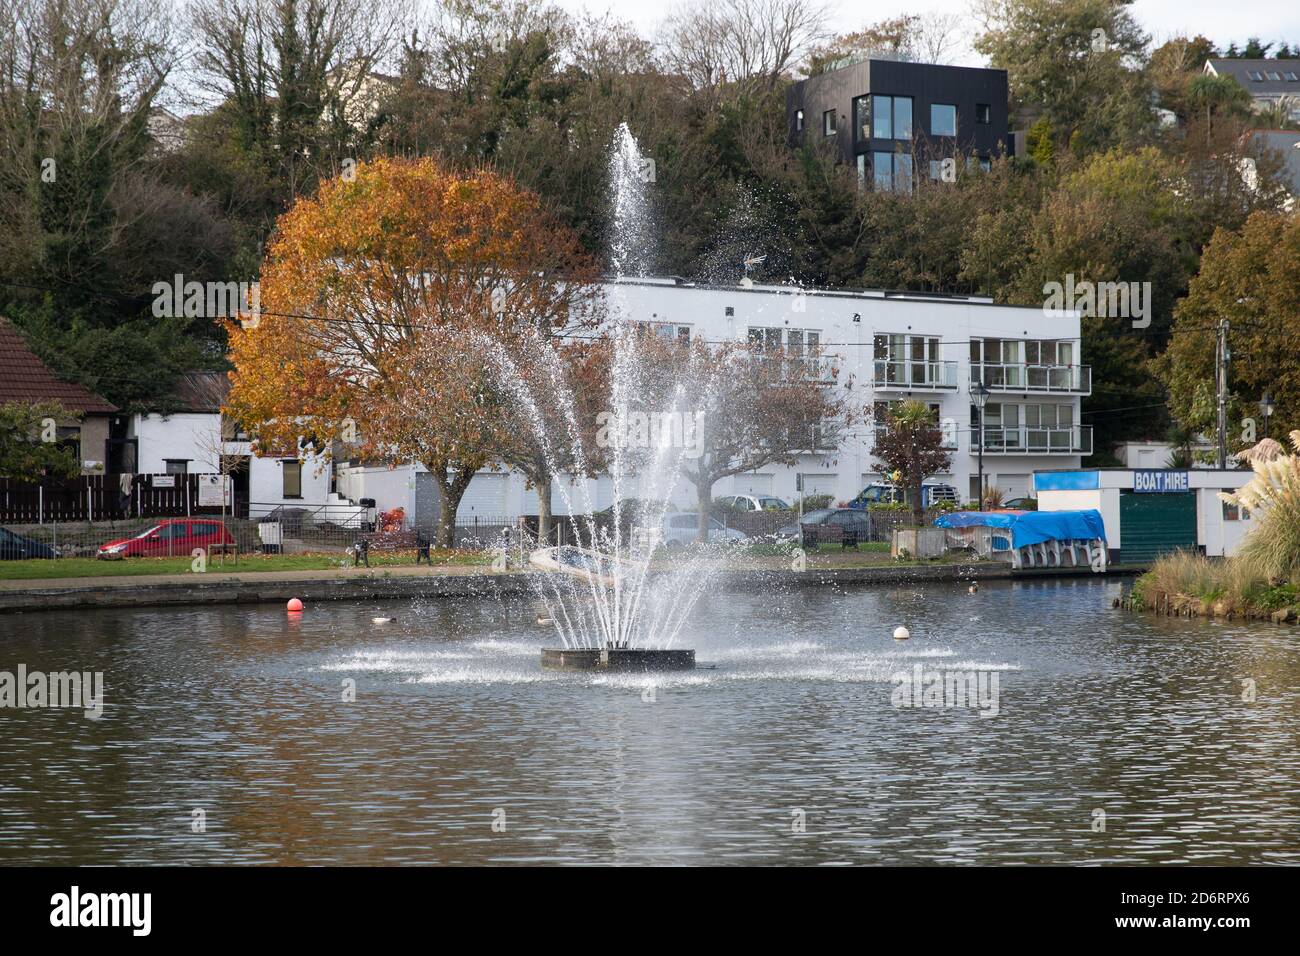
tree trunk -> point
(544, 511)
(452, 490)
(918, 504)
(704, 494)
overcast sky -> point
(1223, 21)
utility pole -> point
(1221, 387)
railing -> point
(1032, 440)
(914, 375)
(1071, 379)
(947, 430)
(808, 368)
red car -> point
(175, 536)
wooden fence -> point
(114, 497)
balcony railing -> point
(1033, 440)
(1020, 377)
(913, 376)
(947, 434)
(807, 368)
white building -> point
(887, 347)
(193, 439)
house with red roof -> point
(25, 378)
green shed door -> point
(1151, 524)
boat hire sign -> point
(1161, 482)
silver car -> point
(680, 529)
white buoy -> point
(383, 620)
(545, 620)
(901, 633)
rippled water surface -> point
(238, 712)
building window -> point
(862, 118)
(983, 114)
(765, 340)
(1290, 77)
(893, 171)
(176, 466)
(1255, 76)
(292, 478)
(667, 330)
(943, 119)
(891, 117)
(828, 123)
(862, 170)
(798, 121)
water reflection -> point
(239, 712)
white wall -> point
(266, 484)
(191, 436)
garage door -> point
(484, 498)
(1153, 524)
(820, 484)
(1013, 486)
(751, 484)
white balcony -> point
(1034, 440)
(920, 376)
(1020, 377)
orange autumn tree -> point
(378, 296)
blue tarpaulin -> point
(1031, 527)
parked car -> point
(680, 529)
(888, 494)
(14, 547)
(855, 520)
(1021, 504)
(175, 536)
(753, 503)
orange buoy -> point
(294, 604)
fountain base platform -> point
(621, 659)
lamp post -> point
(979, 395)
(1266, 409)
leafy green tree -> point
(1076, 60)
(28, 447)
(1251, 277)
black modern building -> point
(896, 120)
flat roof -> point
(881, 295)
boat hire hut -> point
(1152, 511)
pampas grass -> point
(1271, 550)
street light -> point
(1266, 409)
(979, 395)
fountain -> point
(610, 610)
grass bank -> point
(248, 563)
(1191, 585)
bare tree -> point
(750, 42)
(289, 67)
(78, 79)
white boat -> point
(578, 562)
